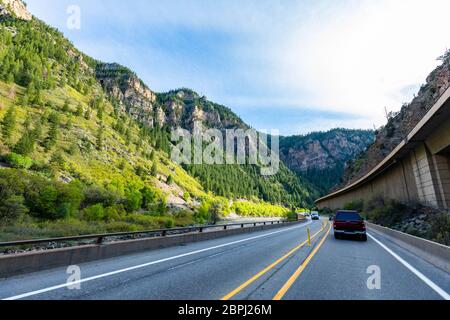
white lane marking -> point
(420, 275)
(33, 293)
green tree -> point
(37, 131)
(154, 170)
(87, 114)
(52, 135)
(66, 107)
(9, 123)
(69, 123)
(100, 138)
(25, 145)
(79, 111)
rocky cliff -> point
(321, 156)
(401, 123)
(14, 8)
(177, 108)
(128, 92)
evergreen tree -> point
(87, 114)
(25, 145)
(66, 107)
(27, 123)
(37, 131)
(52, 135)
(154, 171)
(69, 124)
(100, 113)
(8, 123)
(79, 111)
(100, 138)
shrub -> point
(150, 198)
(94, 213)
(186, 196)
(440, 228)
(149, 222)
(211, 210)
(11, 209)
(95, 194)
(386, 212)
(133, 200)
(357, 205)
(184, 218)
(121, 226)
(326, 211)
(112, 214)
(170, 223)
(19, 162)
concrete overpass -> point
(417, 170)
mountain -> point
(401, 123)
(177, 108)
(181, 108)
(14, 9)
(322, 156)
(85, 146)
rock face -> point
(323, 150)
(14, 8)
(323, 155)
(129, 92)
(177, 108)
(401, 123)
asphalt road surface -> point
(274, 264)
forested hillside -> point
(85, 150)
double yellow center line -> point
(299, 271)
(270, 267)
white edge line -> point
(33, 293)
(420, 275)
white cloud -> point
(365, 56)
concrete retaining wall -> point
(34, 261)
(435, 253)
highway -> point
(273, 264)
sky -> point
(293, 66)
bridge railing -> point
(147, 233)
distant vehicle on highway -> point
(349, 223)
(315, 215)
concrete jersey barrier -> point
(432, 252)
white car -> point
(315, 216)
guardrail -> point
(155, 233)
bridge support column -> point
(442, 169)
(425, 176)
